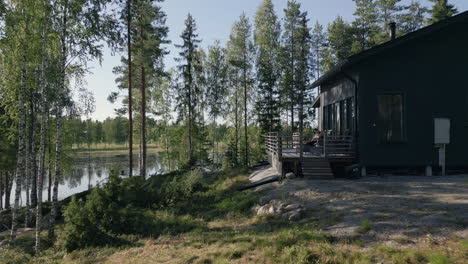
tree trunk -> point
(130, 115)
(27, 180)
(246, 136)
(58, 146)
(214, 138)
(293, 80)
(8, 186)
(236, 120)
(20, 170)
(32, 156)
(58, 167)
(49, 161)
(1, 190)
(42, 144)
(143, 124)
(190, 154)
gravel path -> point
(397, 207)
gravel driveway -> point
(408, 208)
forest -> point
(212, 110)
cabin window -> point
(339, 116)
(390, 121)
(349, 113)
(343, 116)
(328, 117)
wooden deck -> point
(293, 154)
(293, 148)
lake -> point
(83, 172)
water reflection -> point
(85, 173)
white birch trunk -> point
(43, 132)
(27, 170)
(58, 146)
(20, 170)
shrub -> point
(107, 211)
(79, 231)
(240, 202)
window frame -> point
(403, 121)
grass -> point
(101, 148)
(365, 227)
(216, 225)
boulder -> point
(280, 210)
(290, 175)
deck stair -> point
(318, 168)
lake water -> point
(84, 173)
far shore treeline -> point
(218, 102)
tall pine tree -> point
(188, 91)
(267, 41)
(290, 57)
(441, 10)
(365, 26)
(412, 17)
(240, 57)
(216, 88)
(318, 41)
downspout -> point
(356, 130)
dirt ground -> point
(382, 209)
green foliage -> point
(267, 40)
(299, 255)
(412, 18)
(439, 259)
(365, 26)
(107, 211)
(79, 231)
(441, 10)
(365, 227)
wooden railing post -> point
(325, 144)
(280, 146)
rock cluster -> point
(281, 210)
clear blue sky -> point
(214, 19)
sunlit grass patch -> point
(365, 227)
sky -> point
(214, 20)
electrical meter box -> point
(441, 131)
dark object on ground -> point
(353, 171)
(259, 183)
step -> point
(319, 176)
(315, 161)
(316, 166)
(316, 170)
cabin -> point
(402, 105)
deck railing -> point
(329, 145)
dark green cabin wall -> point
(432, 73)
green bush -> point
(240, 202)
(119, 209)
(107, 212)
(79, 231)
(174, 187)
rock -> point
(262, 210)
(280, 210)
(292, 207)
(290, 175)
(271, 210)
(295, 215)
